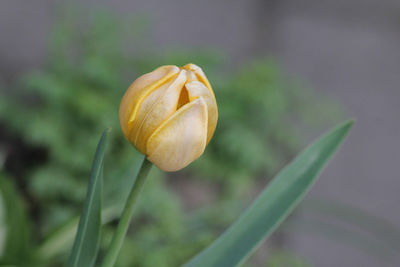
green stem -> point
(122, 228)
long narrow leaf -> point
(54, 244)
(86, 242)
(15, 228)
(273, 205)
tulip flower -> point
(170, 115)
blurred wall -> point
(346, 49)
(350, 50)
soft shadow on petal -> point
(181, 139)
(157, 107)
(197, 89)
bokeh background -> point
(283, 72)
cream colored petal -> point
(138, 90)
(199, 74)
(197, 89)
(181, 139)
(157, 107)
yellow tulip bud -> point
(170, 115)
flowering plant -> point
(170, 116)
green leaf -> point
(273, 205)
(87, 239)
(15, 229)
(55, 242)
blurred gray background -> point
(348, 50)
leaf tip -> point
(347, 125)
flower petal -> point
(181, 139)
(197, 89)
(138, 90)
(157, 107)
(199, 74)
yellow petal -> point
(158, 106)
(181, 139)
(197, 89)
(138, 90)
(199, 74)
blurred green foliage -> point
(64, 107)
(286, 259)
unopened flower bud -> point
(170, 115)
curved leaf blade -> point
(87, 239)
(273, 205)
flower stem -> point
(122, 228)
